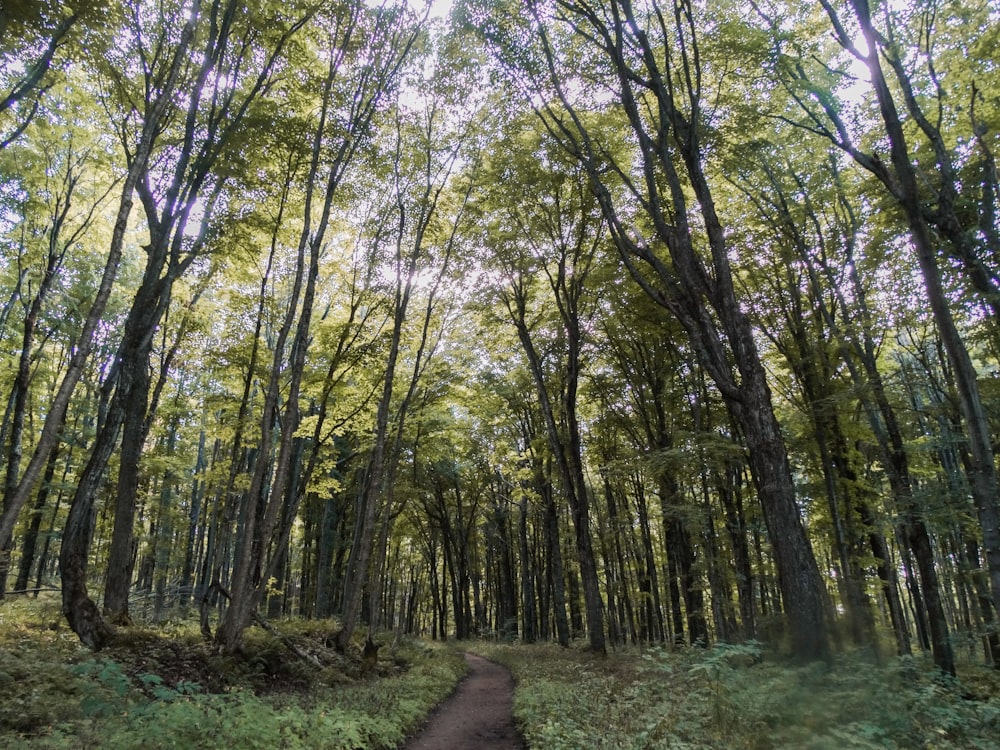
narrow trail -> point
(478, 715)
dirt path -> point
(477, 716)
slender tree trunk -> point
(566, 452)
(732, 502)
(681, 558)
(30, 540)
(367, 505)
(22, 380)
(650, 580)
(194, 515)
(324, 559)
(980, 588)
(529, 632)
(507, 593)
(555, 568)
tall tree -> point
(653, 60)
(225, 63)
(556, 235)
(425, 212)
(55, 177)
(163, 82)
(646, 349)
(928, 197)
(352, 87)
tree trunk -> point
(22, 381)
(681, 558)
(507, 594)
(529, 632)
(193, 538)
(30, 541)
(649, 585)
(152, 122)
(566, 452)
(78, 533)
(324, 558)
(798, 575)
(556, 573)
(134, 383)
(732, 502)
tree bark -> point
(30, 540)
(134, 385)
(529, 624)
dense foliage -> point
(732, 696)
(164, 688)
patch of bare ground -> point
(477, 716)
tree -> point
(426, 210)
(52, 189)
(16, 496)
(651, 58)
(928, 207)
(352, 88)
(222, 81)
(649, 391)
(556, 235)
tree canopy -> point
(625, 321)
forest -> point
(608, 324)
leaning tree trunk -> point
(801, 584)
(15, 499)
(80, 611)
(135, 384)
(22, 381)
(371, 489)
(127, 407)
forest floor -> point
(477, 716)
(164, 686)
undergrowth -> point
(165, 688)
(732, 697)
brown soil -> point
(477, 716)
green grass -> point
(164, 688)
(733, 697)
